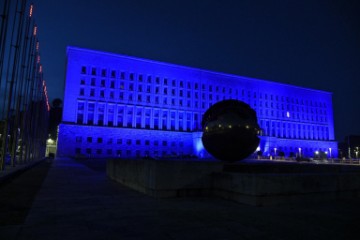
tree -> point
(57, 103)
(55, 117)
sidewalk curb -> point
(10, 173)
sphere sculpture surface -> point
(230, 130)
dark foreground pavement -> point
(66, 199)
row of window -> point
(175, 85)
(129, 142)
(311, 114)
(102, 113)
(294, 130)
(136, 117)
(109, 152)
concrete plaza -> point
(68, 199)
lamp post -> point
(316, 154)
(275, 152)
(299, 152)
(258, 152)
(349, 153)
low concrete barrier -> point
(249, 183)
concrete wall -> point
(252, 184)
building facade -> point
(121, 106)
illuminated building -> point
(116, 105)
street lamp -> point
(316, 154)
(300, 152)
(275, 151)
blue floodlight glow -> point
(116, 105)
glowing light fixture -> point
(31, 10)
(35, 30)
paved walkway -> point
(71, 200)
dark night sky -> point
(309, 43)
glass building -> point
(121, 106)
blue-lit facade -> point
(121, 106)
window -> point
(83, 70)
(119, 141)
(90, 120)
(101, 120)
(89, 139)
(99, 140)
(82, 82)
(103, 72)
(81, 106)
(80, 118)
